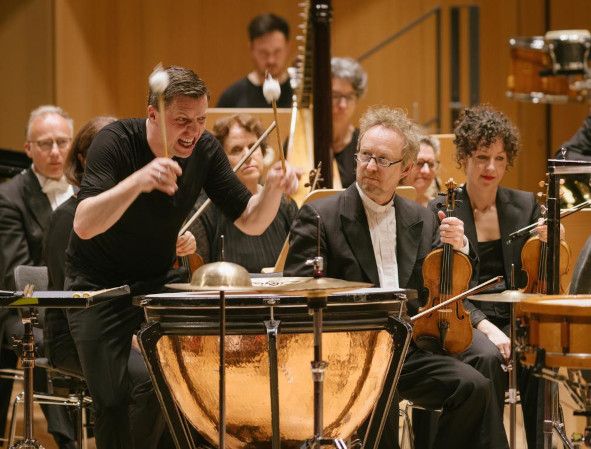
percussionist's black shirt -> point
(244, 94)
(140, 247)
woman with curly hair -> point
(487, 145)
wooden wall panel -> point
(403, 73)
(26, 65)
(566, 119)
(105, 50)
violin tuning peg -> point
(542, 184)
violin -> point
(446, 273)
(534, 258)
(191, 262)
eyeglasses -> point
(430, 164)
(364, 158)
(47, 144)
(349, 98)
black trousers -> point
(469, 389)
(128, 414)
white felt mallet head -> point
(159, 81)
(271, 89)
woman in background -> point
(423, 175)
(237, 134)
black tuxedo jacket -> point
(345, 241)
(24, 217)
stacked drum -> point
(551, 69)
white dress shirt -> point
(382, 229)
(56, 190)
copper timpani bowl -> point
(356, 344)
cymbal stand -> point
(26, 346)
(316, 306)
(579, 391)
(553, 288)
(553, 420)
(512, 368)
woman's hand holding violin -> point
(451, 230)
(542, 230)
(497, 336)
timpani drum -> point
(364, 339)
(555, 331)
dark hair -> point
(182, 82)
(267, 23)
(480, 127)
(73, 166)
(221, 128)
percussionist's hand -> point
(451, 230)
(497, 336)
(186, 244)
(160, 174)
(542, 230)
(288, 182)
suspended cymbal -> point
(217, 276)
(288, 286)
(315, 287)
(508, 296)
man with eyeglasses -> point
(370, 234)
(26, 204)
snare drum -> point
(532, 79)
(357, 344)
(560, 325)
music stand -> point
(28, 302)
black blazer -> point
(579, 145)
(24, 217)
(516, 209)
(345, 241)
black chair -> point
(71, 382)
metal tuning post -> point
(318, 261)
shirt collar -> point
(370, 204)
(62, 184)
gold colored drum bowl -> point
(357, 366)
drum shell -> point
(530, 60)
(570, 51)
(358, 362)
(560, 325)
(357, 347)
